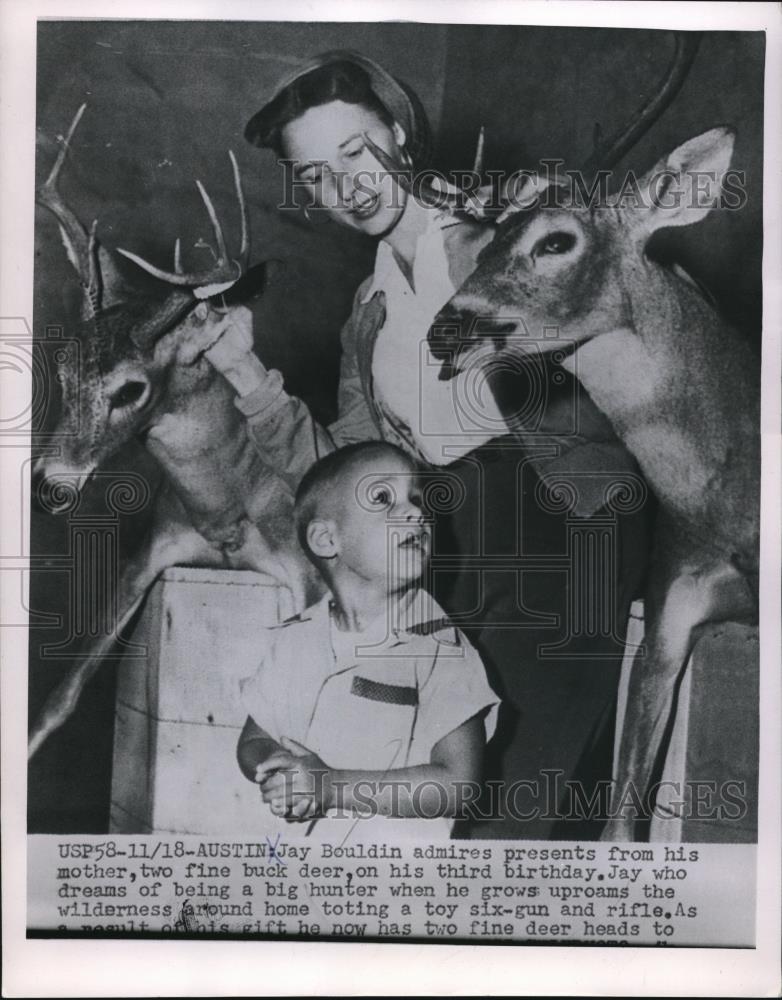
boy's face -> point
(379, 526)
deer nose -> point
(447, 331)
(130, 395)
(447, 338)
(54, 492)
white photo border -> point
(116, 968)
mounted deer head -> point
(128, 339)
(573, 283)
(143, 373)
(555, 247)
(555, 263)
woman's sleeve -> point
(284, 432)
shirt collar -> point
(415, 613)
(385, 265)
(418, 613)
(385, 262)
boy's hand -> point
(295, 782)
(232, 339)
(225, 339)
(283, 802)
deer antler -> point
(100, 277)
(403, 175)
(608, 152)
(225, 271)
(80, 245)
(477, 167)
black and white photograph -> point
(391, 557)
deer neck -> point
(200, 440)
(661, 375)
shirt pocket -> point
(364, 723)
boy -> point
(370, 703)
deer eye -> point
(554, 243)
(127, 394)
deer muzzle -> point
(458, 337)
(55, 486)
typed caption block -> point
(499, 891)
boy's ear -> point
(322, 539)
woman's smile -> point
(339, 172)
(365, 206)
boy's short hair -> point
(327, 473)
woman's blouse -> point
(572, 442)
(440, 420)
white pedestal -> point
(713, 746)
(179, 713)
(713, 755)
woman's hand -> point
(514, 193)
(481, 203)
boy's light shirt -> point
(382, 709)
(445, 420)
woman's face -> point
(334, 167)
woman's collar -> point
(385, 262)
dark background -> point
(166, 100)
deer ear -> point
(684, 186)
(114, 287)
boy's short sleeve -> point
(455, 690)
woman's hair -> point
(336, 81)
(343, 75)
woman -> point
(334, 119)
(318, 120)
